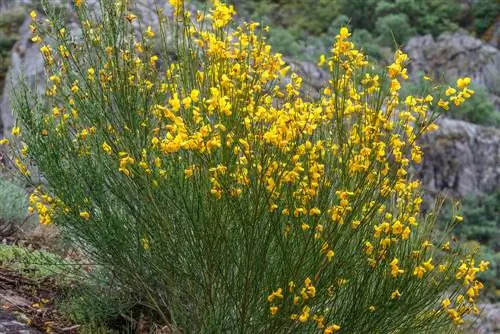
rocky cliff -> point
(461, 159)
(26, 61)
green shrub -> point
(285, 42)
(394, 29)
(36, 264)
(307, 16)
(480, 110)
(13, 202)
(220, 197)
(485, 13)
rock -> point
(25, 60)
(314, 78)
(10, 325)
(489, 323)
(461, 159)
(455, 55)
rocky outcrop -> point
(492, 35)
(454, 55)
(489, 323)
(27, 61)
(461, 159)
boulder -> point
(461, 159)
(453, 55)
(27, 61)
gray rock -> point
(455, 55)
(461, 159)
(10, 325)
(27, 61)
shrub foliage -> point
(188, 163)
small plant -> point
(13, 207)
(208, 185)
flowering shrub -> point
(203, 179)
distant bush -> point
(394, 29)
(485, 13)
(480, 110)
(285, 42)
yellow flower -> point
(397, 227)
(322, 60)
(222, 14)
(463, 82)
(275, 294)
(314, 211)
(78, 3)
(419, 272)
(273, 310)
(395, 294)
(450, 91)
(4, 141)
(330, 254)
(304, 316)
(85, 215)
(90, 74)
(33, 15)
(426, 244)
(331, 329)
(149, 32)
(445, 303)
(428, 265)
(483, 266)
(16, 131)
(106, 148)
(131, 17)
(395, 270)
(194, 95)
(188, 172)
(145, 243)
(177, 4)
(344, 32)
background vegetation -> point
(480, 230)
(387, 22)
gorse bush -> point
(205, 182)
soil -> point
(28, 306)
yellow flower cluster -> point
(43, 205)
